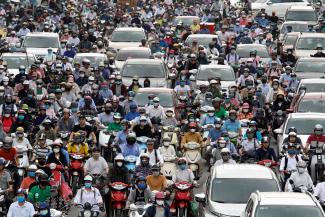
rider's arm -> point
(131, 199)
(77, 198)
(92, 134)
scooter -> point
(193, 156)
(100, 182)
(142, 142)
(53, 213)
(118, 198)
(317, 165)
(87, 210)
(130, 162)
(76, 171)
(300, 189)
(105, 140)
(169, 167)
(171, 132)
(138, 209)
(181, 203)
(206, 129)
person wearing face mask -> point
(135, 85)
(68, 94)
(130, 100)
(57, 156)
(265, 152)
(209, 117)
(83, 79)
(104, 91)
(27, 181)
(96, 164)
(245, 76)
(225, 158)
(300, 178)
(153, 153)
(21, 207)
(265, 87)
(286, 76)
(156, 181)
(245, 112)
(106, 117)
(130, 147)
(159, 208)
(22, 145)
(280, 103)
(89, 86)
(182, 89)
(8, 90)
(116, 124)
(200, 97)
(133, 113)
(232, 124)
(40, 192)
(289, 162)
(141, 193)
(319, 52)
(192, 135)
(249, 146)
(47, 131)
(44, 210)
(89, 194)
(207, 101)
(169, 119)
(233, 58)
(118, 88)
(167, 149)
(273, 92)
(156, 110)
(214, 88)
(315, 138)
(183, 173)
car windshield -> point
(301, 16)
(184, 20)
(143, 70)
(241, 189)
(295, 27)
(304, 126)
(287, 211)
(290, 40)
(312, 105)
(243, 51)
(200, 40)
(310, 43)
(40, 42)
(310, 66)
(223, 74)
(127, 36)
(15, 62)
(136, 54)
(311, 88)
(94, 60)
(260, 1)
(165, 99)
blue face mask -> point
(142, 186)
(182, 166)
(31, 174)
(44, 212)
(291, 151)
(88, 185)
(46, 106)
(258, 93)
(21, 117)
(21, 199)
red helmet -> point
(160, 195)
(192, 125)
(245, 105)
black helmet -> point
(265, 139)
(292, 129)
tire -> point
(74, 184)
(118, 213)
(182, 212)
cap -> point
(26, 82)
(88, 178)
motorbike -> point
(171, 132)
(100, 182)
(234, 138)
(300, 189)
(142, 142)
(105, 140)
(317, 163)
(181, 203)
(3, 209)
(20, 171)
(87, 210)
(118, 198)
(193, 156)
(169, 167)
(76, 171)
(138, 209)
(53, 213)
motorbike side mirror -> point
(290, 110)
(278, 131)
(200, 198)
(302, 89)
(269, 3)
(133, 207)
(291, 181)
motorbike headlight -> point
(87, 213)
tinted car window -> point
(304, 126)
(310, 43)
(310, 66)
(165, 99)
(223, 74)
(301, 16)
(127, 36)
(40, 42)
(287, 211)
(243, 51)
(143, 70)
(312, 105)
(310, 88)
(124, 55)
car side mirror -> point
(200, 198)
(269, 3)
(278, 131)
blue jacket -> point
(151, 212)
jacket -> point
(119, 174)
(148, 195)
(151, 212)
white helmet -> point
(225, 150)
(88, 178)
(119, 157)
(32, 167)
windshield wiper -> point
(217, 201)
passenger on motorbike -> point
(78, 145)
(106, 117)
(22, 145)
(183, 173)
(116, 124)
(192, 135)
(144, 168)
(315, 138)
(300, 178)
(215, 133)
(143, 128)
(156, 181)
(209, 118)
(249, 145)
(58, 156)
(169, 119)
(167, 148)
(27, 181)
(8, 152)
(182, 89)
(257, 134)
(48, 131)
(245, 112)
(232, 124)
(89, 194)
(289, 162)
(41, 148)
(155, 110)
(21, 207)
(214, 88)
(44, 210)
(291, 138)
(40, 192)
(118, 172)
(130, 147)
(159, 208)
(154, 154)
(120, 137)
(319, 191)
(225, 158)
(229, 144)
(129, 101)
(96, 164)
(141, 193)
(265, 151)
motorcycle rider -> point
(48, 131)
(144, 167)
(143, 128)
(209, 118)
(315, 138)
(192, 135)
(319, 192)
(22, 145)
(319, 52)
(257, 134)
(156, 181)
(156, 110)
(8, 152)
(154, 154)
(183, 173)
(169, 119)
(89, 194)
(83, 126)
(6, 182)
(130, 147)
(40, 192)
(27, 181)
(289, 162)
(232, 124)
(249, 145)
(141, 193)
(96, 164)
(225, 158)
(245, 112)
(21, 207)
(265, 151)
(119, 172)
(215, 133)
(116, 124)
(78, 145)
(167, 148)
(300, 178)
(44, 210)
(159, 208)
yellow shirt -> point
(157, 183)
(195, 28)
(78, 149)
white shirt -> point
(320, 191)
(88, 196)
(155, 112)
(96, 166)
(292, 163)
(152, 158)
(26, 210)
(221, 162)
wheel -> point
(182, 212)
(319, 172)
(118, 213)
(74, 184)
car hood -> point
(304, 75)
(154, 82)
(39, 51)
(264, 60)
(257, 6)
(229, 209)
(118, 45)
(304, 53)
(119, 64)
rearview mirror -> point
(269, 3)
(200, 198)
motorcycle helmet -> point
(7, 142)
(119, 160)
(265, 139)
(224, 151)
(222, 142)
(292, 129)
(131, 138)
(318, 129)
(141, 182)
(245, 106)
(2, 161)
(181, 160)
(88, 178)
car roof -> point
(301, 8)
(309, 115)
(90, 54)
(215, 66)
(155, 90)
(129, 29)
(311, 59)
(242, 171)
(250, 45)
(18, 54)
(286, 198)
(312, 35)
(144, 61)
(314, 95)
(187, 17)
(202, 36)
(312, 81)
(135, 49)
(294, 22)
(45, 34)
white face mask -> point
(166, 144)
(301, 170)
(160, 202)
(222, 145)
(218, 125)
(56, 150)
(211, 114)
(119, 164)
(192, 130)
(5, 83)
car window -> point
(301, 16)
(310, 88)
(200, 40)
(143, 70)
(165, 99)
(310, 66)
(223, 74)
(123, 55)
(287, 211)
(310, 43)
(94, 60)
(312, 105)
(304, 126)
(40, 42)
(13, 62)
(243, 51)
(290, 40)
(295, 27)
(127, 36)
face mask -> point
(21, 199)
(20, 135)
(222, 145)
(182, 166)
(44, 212)
(292, 151)
(245, 110)
(156, 104)
(232, 117)
(301, 170)
(119, 164)
(144, 162)
(211, 114)
(88, 185)
(108, 111)
(225, 157)
(155, 173)
(7, 115)
(192, 130)
(166, 144)
(56, 150)
(31, 174)
(208, 99)
(82, 75)
(21, 117)
(218, 125)
(275, 87)
(318, 132)
(160, 202)
(142, 186)
(5, 83)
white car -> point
(303, 122)
(202, 39)
(38, 43)
(288, 204)
(16, 59)
(279, 6)
(229, 186)
(126, 37)
(95, 58)
(131, 53)
(311, 85)
(297, 26)
(302, 13)
(243, 51)
(307, 43)
(224, 72)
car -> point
(186, 20)
(302, 13)
(131, 53)
(279, 6)
(297, 26)
(224, 72)
(202, 39)
(310, 67)
(153, 69)
(38, 43)
(243, 51)
(95, 58)
(303, 122)
(167, 97)
(288, 204)
(16, 59)
(309, 102)
(126, 37)
(311, 85)
(307, 43)
(229, 186)
(289, 41)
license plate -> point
(319, 151)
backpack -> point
(286, 162)
(81, 194)
(145, 151)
